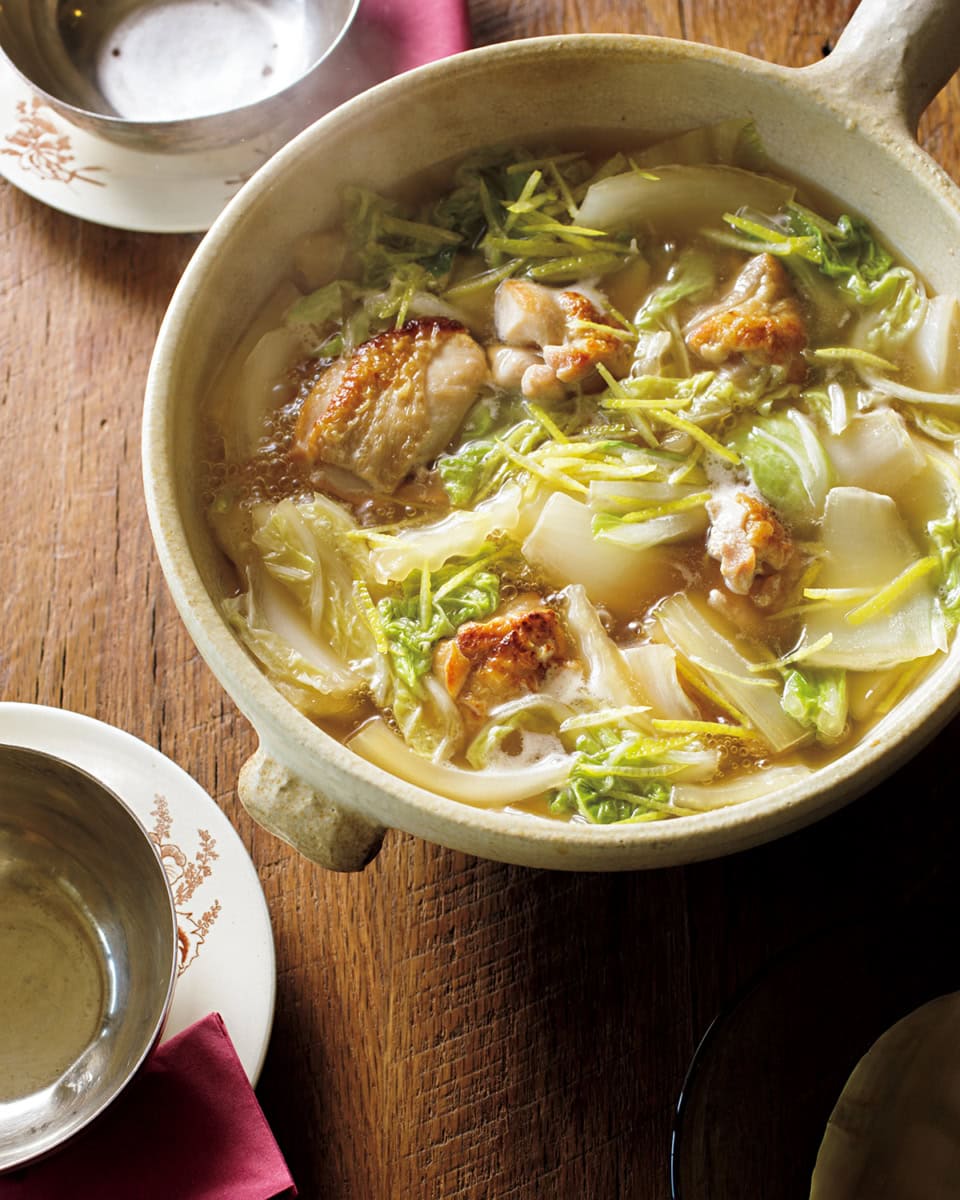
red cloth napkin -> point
(389, 37)
(415, 31)
(187, 1128)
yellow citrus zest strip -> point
(662, 510)
(705, 690)
(548, 424)
(893, 591)
(698, 435)
(838, 595)
(903, 681)
(714, 728)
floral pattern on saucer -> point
(80, 173)
(186, 876)
(42, 150)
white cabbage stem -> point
(377, 743)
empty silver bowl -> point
(177, 75)
(88, 951)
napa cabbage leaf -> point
(677, 196)
(460, 534)
(734, 142)
(492, 788)
(732, 668)
(562, 548)
(303, 670)
(818, 700)
(478, 467)
(846, 251)
(944, 533)
(620, 775)
(314, 550)
(654, 525)
(771, 782)
(323, 307)
(604, 794)
(531, 723)
(787, 462)
(848, 254)
(306, 546)
(407, 624)
(429, 606)
(562, 452)
(874, 602)
(691, 276)
(466, 472)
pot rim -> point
(388, 799)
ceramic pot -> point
(846, 124)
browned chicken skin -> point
(759, 319)
(748, 540)
(487, 663)
(394, 403)
(584, 349)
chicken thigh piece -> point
(759, 320)
(748, 540)
(394, 403)
(488, 663)
(573, 334)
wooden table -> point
(445, 1027)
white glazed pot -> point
(846, 124)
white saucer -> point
(87, 176)
(226, 942)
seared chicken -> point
(747, 539)
(561, 324)
(528, 314)
(487, 663)
(585, 348)
(759, 319)
(394, 403)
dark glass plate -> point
(770, 1069)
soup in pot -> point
(610, 489)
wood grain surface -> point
(445, 1027)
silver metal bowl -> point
(177, 75)
(88, 951)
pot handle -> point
(893, 57)
(336, 837)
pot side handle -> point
(893, 57)
(337, 838)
